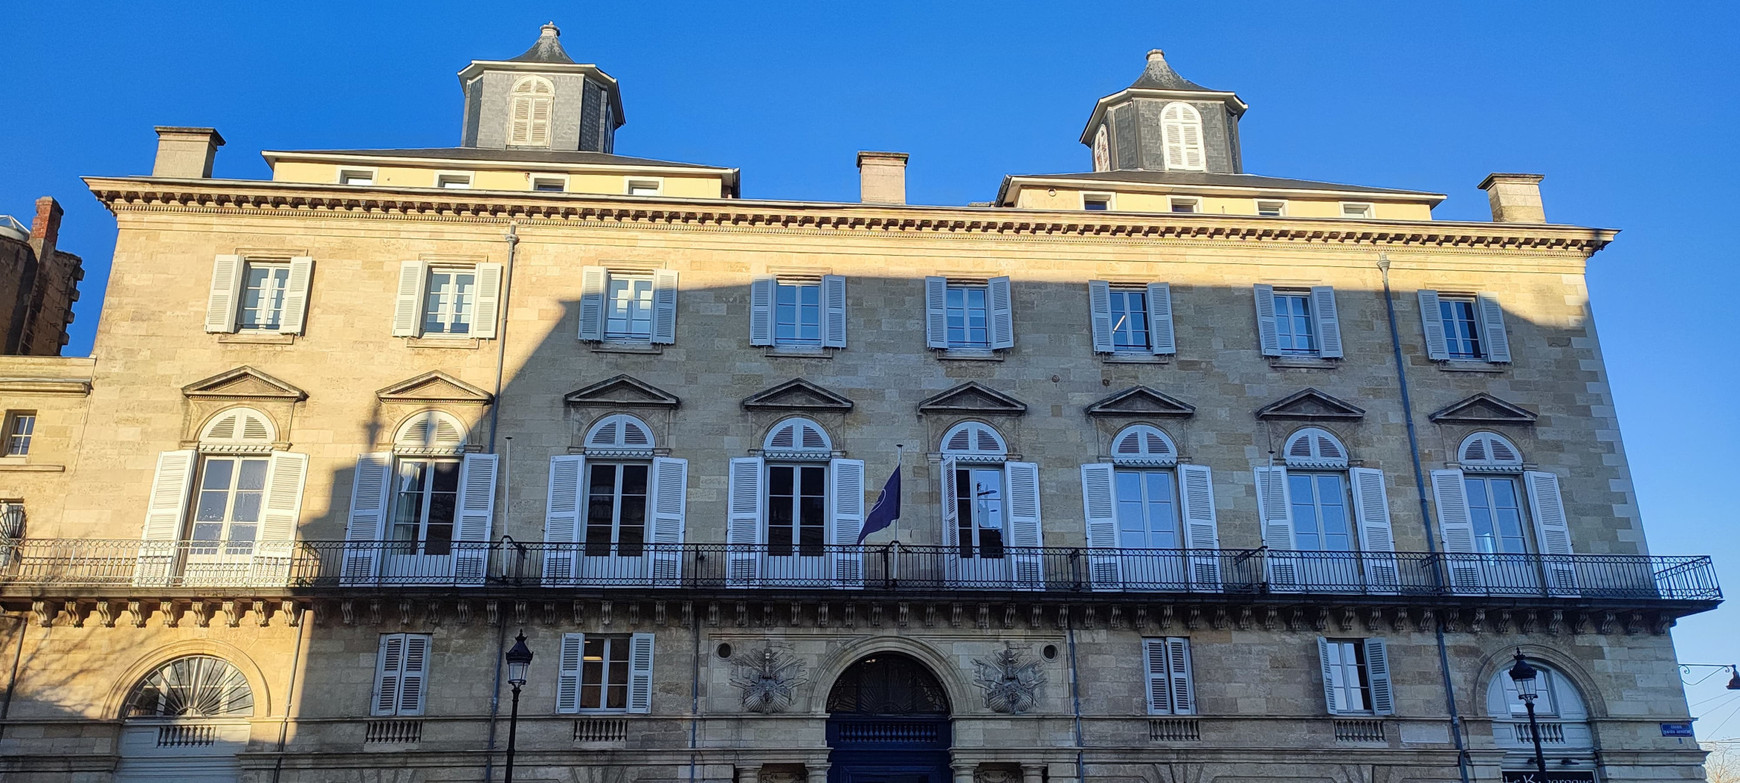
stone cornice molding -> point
(280, 198)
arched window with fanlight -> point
(225, 511)
(186, 720)
(616, 511)
(1181, 125)
(1318, 512)
(422, 513)
(1567, 742)
(796, 510)
(1503, 526)
(1143, 509)
(990, 511)
(530, 105)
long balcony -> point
(1687, 582)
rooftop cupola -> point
(1165, 122)
(541, 99)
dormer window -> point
(529, 120)
(1182, 127)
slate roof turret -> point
(547, 49)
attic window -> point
(645, 187)
(356, 176)
(1272, 208)
(1356, 209)
(529, 122)
(1096, 202)
(453, 180)
(549, 184)
(1186, 205)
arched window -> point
(430, 433)
(1315, 448)
(990, 509)
(1102, 150)
(798, 435)
(529, 120)
(1141, 444)
(237, 429)
(974, 440)
(1486, 452)
(1559, 710)
(619, 431)
(1182, 127)
(235, 460)
(197, 686)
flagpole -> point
(899, 456)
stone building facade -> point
(38, 284)
(1206, 476)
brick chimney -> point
(45, 228)
(882, 177)
(185, 153)
(1516, 198)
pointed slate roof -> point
(973, 397)
(1140, 401)
(622, 390)
(797, 394)
(1483, 408)
(1160, 76)
(1310, 405)
(435, 386)
(244, 383)
(547, 49)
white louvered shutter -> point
(1552, 530)
(1025, 535)
(1193, 146)
(1099, 510)
(593, 280)
(1160, 332)
(936, 321)
(473, 519)
(1178, 676)
(225, 294)
(951, 516)
(743, 526)
(540, 125)
(1494, 340)
(670, 494)
(1201, 528)
(1268, 335)
(568, 673)
(408, 303)
(1328, 321)
(520, 123)
(1100, 310)
(563, 519)
(664, 325)
(487, 313)
(1275, 509)
(833, 311)
(1456, 527)
(370, 485)
(1377, 670)
(414, 678)
(295, 315)
(761, 293)
(846, 521)
(1002, 315)
(1330, 673)
(640, 672)
(1159, 692)
(1377, 541)
(389, 670)
(280, 511)
(165, 512)
(1432, 324)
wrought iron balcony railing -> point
(882, 567)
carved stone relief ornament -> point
(1011, 684)
(769, 679)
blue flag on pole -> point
(887, 509)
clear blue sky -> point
(1629, 109)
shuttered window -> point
(1356, 676)
(447, 301)
(628, 307)
(967, 316)
(599, 673)
(401, 674)
(529, 119)
(258, 295)
(1181, 125)
(1464, 327)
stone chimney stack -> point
(882, 177)
(1516, 198)
(185, 153)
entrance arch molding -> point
(835, 663)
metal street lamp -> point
(519, 658)
(1522, 674)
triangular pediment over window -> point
(797, 394)
(1483, 408)
(243, 383)
(1140, 401)
(434, 386)
(973, 397)
(620, 391)
(1310, 405)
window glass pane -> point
(592, 674)
(812, 510)
(1332, 510)
(600, 508)
(1132, 526)
(448, 303)
(781, 509)
(987, 511)
(1307, 532)
(250, 490)
(617, 676)
(631, 524)
(1162, 510)
(1293, 323)
(19, 435)
(797, 314)
(629, 307)
(1130, 320)
(443, 501)
(408, 500)
(263, 295)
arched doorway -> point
(888, 722)
(185, 722)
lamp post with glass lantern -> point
(519, 658)
(1522, 674)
